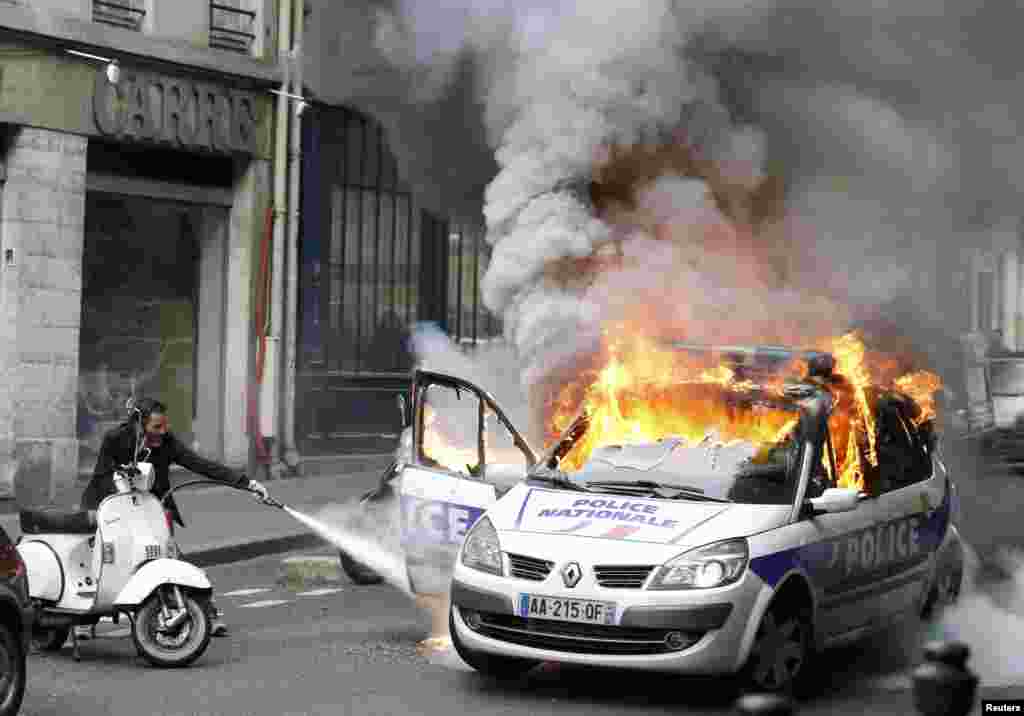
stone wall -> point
(42, 222)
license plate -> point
(580, 611)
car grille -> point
(578, 638)
(614, 576)
(536, 570)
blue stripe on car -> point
(772, 567)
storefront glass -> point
(139, 312)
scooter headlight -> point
(714, 565)
(481, 549)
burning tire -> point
(498, 667)
(180, 644)
(779, 659)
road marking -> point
(264, 603)
(312, 559)
(318, 592)
(246, 592)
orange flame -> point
(644, 392)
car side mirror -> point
(832, 500)
(503, 475)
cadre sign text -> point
(154, 108)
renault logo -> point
(571, 574)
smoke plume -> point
(726, 169)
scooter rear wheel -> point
(183, 646)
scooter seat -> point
(56, 521)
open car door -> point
(464, 454)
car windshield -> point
(709, 444)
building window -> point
(129, 14)
(374, 257)
(233, 25)
(469, 322)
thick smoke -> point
(888, 132)
(990, 620)
(868, 182)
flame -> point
(446, 448)
(643, 392)
(922, 387)
(640, 391)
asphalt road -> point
(337, 648)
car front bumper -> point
(712, 628)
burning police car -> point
(747, 525)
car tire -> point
(497, 667)
(12, 672)
(356, 571)
(780, 657)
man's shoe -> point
(219, 628)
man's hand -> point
(258, 488)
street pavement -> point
(333, 647)
(323, 645)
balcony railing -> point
(232, 28)
(121, 13)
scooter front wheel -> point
(181, 645)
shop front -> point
(130, 217)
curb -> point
(243, 551)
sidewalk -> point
(226, 525)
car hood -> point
(547, 510)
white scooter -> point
(121, 559)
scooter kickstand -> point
(75, 654)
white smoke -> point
(990, 620)
(493, 367)
(891, 131)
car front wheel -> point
(782, 649)
(498, 667)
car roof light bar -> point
(769, 358)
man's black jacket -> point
(117, 450)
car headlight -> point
(481, 549)
(713, 565)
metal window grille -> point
(373, 264)
(232, 26)
(371, 251)
(383, 265)
(128, 14)
(469, 322)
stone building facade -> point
(132, 206)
